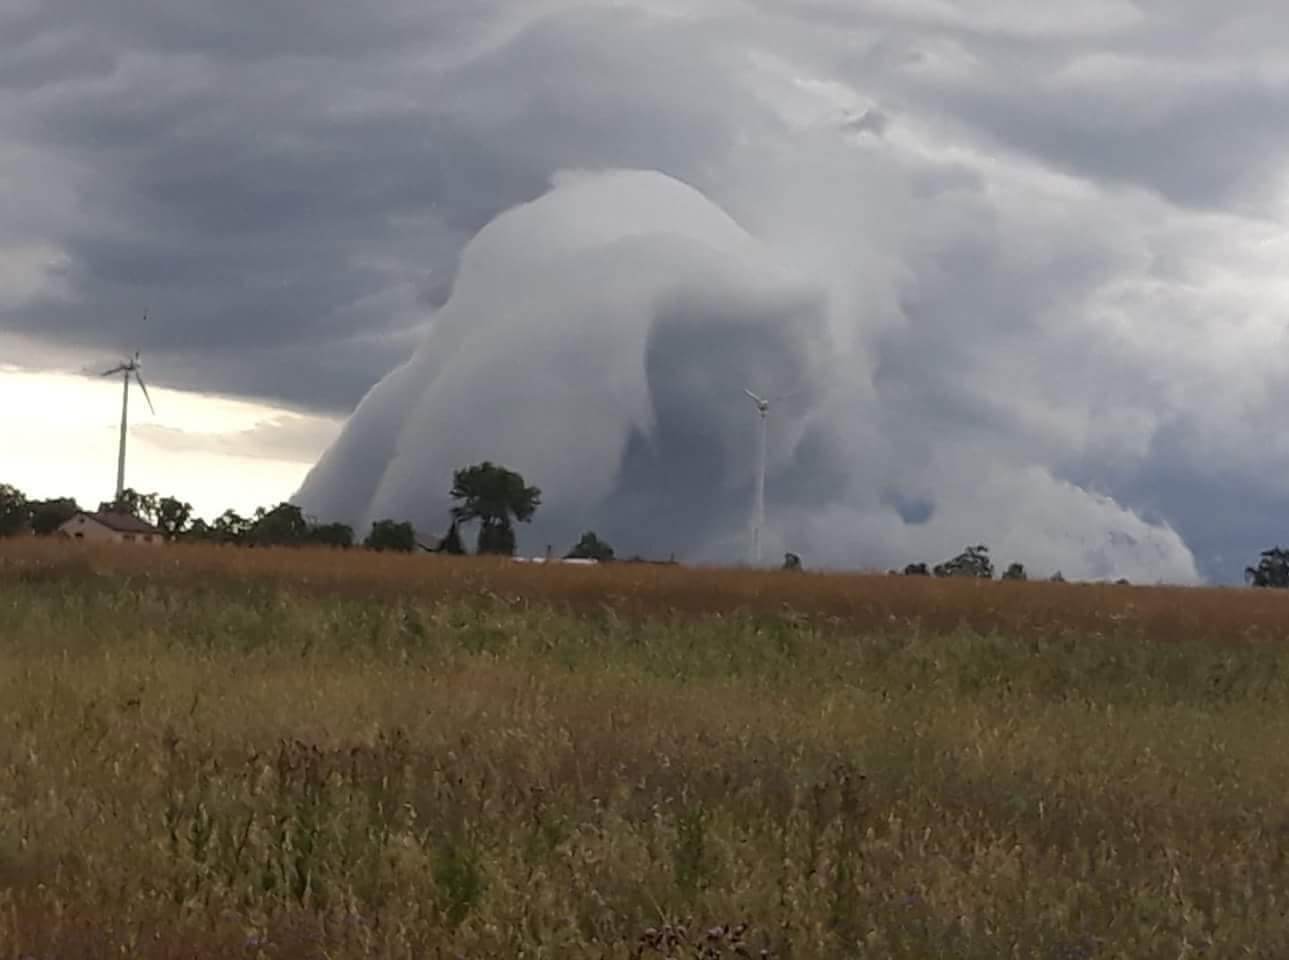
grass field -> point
(226, 753)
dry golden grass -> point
(847, 601)
(269, 754)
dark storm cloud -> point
(301, 176)
(1036, 255)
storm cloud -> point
(1027, 259)
(600, 336)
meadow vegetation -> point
(245, 753)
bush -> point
(392, 536)
(590, 547)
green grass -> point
(231, 767)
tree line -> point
(1272, 570)
(975, 562)
(493, 496)
(487, 494)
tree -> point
(1272, 569)
(917, 570)
(339, 535)
(283, 526)
(142, 506)
(1015, 572)
(231, 527)
(200, 532)
(390, 535)
(972, 562)
(791, 561)
(172, 517)
(451, 543)
(15, 512)
(492, 494)
(48, 515)
(590, 547)
(496, 540)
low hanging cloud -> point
(599, 339)
(1028, 264)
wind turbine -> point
(758, 508)
(130, 368)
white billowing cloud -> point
(541, 355)
(598, 339)
(1033, 518)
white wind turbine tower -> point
(130, 368)
(758, 508)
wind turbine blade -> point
(113, 372)
(755, 398)
(138, 377)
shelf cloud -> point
(599, 339)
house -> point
(105, 527)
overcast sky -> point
(1041, 247)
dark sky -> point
(1043, 244)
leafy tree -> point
(1272, 569)
(972, 562)
(497, 540)
(1057, 577)
(590, 547)
(231, 527)
(172, 517)
(917, 570)
(451, 543)
(48, 515)
(791, 561)
(493, 495)
(1015, 572)
(143, 506)
(283, 526)
(15, 512)
(339, 535)
(392, 536)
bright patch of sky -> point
(61, 434)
